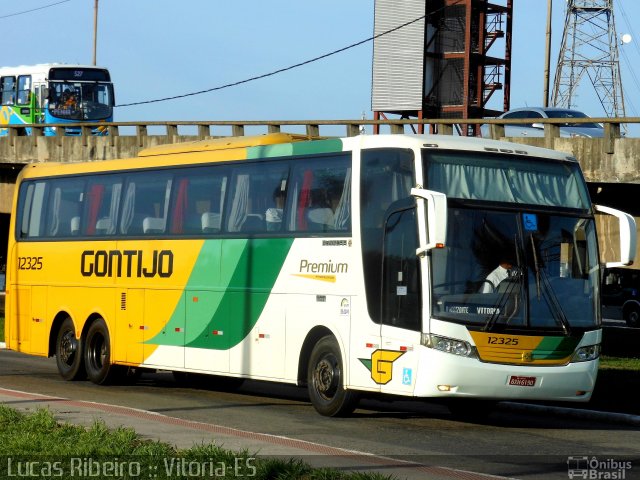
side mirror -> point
(627, 225)
(432, 219)
(45, 93)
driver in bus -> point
(500, 273)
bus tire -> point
(325, 380)
(69, 352)
(97, 354)
(632, 316)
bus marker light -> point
(444, 388)
(195, 299)
(217, 332)
(144, 327)
(580, 393)
(372, 345)
(178, 329)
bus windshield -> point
(81, 100)
(505, 178)
(514, 270)
(514, 263)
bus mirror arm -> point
(432, 219)
(627, 225)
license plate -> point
(522, 381)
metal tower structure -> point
(589, 47)
(447, 61)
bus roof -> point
(43, 68)
(223, 143)
(282, 145)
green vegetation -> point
(619, 363)
(71, 449)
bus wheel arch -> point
(67, 348)
(310, 341)
(631, 314)
(97, 351)
(325, 380)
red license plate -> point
(522, 381)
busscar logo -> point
(127, 263)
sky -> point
(161, 48)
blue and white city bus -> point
(55, 93)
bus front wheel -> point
(97, 353)
(69, 352)
(325, 380)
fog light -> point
(444, 388)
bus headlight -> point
(448, 345)
(585, 354)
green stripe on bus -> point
(221, 316)
(296, 148)
(554, 348)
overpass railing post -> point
(611, 132)
(113, 132)
(204, 131)
(141, 133)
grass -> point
(616, 363)
(71, 449)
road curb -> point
(597, 415)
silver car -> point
(533, 129)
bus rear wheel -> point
(69, 352)
(632, 316)
(97, 353)
(325, 380)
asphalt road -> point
(521, 444)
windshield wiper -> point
(549, 295)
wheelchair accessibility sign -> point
(407, 376)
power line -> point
(34, 9)
(291, 67)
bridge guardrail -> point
(612, 126)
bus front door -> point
(401, 303)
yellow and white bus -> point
(355, 265)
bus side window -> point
(102, 206)
(146, 204)
(64, 207)
(24, 89)
(8, 87)
(30, 203)
(198, 200)
(252, 189)
(321, 195)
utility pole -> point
(95, 31)
(547, 57)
